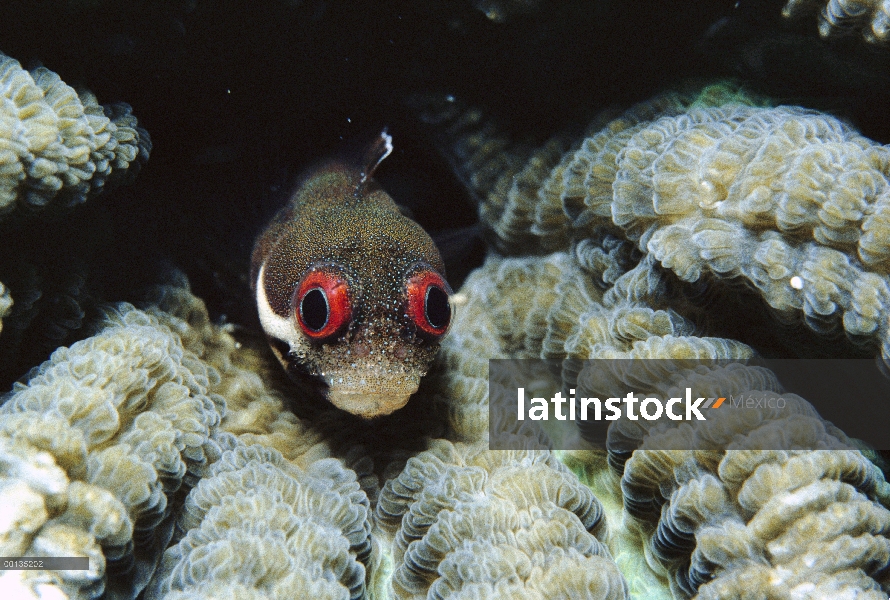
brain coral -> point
(102, 437)
(116, 423)
(650, 213)
(254, 409)
(58, 146)
(500, 313)
(473, 523)
(5, 303)
(259, 527)
(553, 307)
(870, 17)
(533, 198)
(749, 523)
(758, 523)
(790, 200)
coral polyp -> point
(694, 231)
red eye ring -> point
(322, 304)
(428, 305)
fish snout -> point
(370, 397)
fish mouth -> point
(367, 404)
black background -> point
(238, 96)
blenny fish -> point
(350, 292)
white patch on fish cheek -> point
(275, 326)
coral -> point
(103, 435)
(511, 209)
(470, 522)
(500, 11)
(499, 312)
(582, 188)
(257, 526)
(120, 420)
(255, 410)
(774, 523)
(52, 305)
(871, 18)
(536, 201)
(651, 214)
(792, 201)
(5, 303)
(553, 307)
(59, 146)
(752, 519)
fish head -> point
(355, 300)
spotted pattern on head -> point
(340, 222)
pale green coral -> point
(801, 181)
(468, 522)
(789, 199)
(711, 184)
(255, 410)
(257, 526)
(729, 519)
(103, 435)
(121, 418)
(767, 522)
(59, 146)
(537, 200)
(500, 312)
(871, 18)
(5, 303)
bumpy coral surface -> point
(469, 522)
(553, 307)
(536, 201)
(98, 441)
(789, 199)
(257, 526)
(103, 436)
(766, 524)
(870, 18)
(793, 201)
(678, 191)
(58, 146)
(500, 312)
(5, 303)
(254, 409)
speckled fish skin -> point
(339, 219)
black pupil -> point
(438, 313)
(314, 309)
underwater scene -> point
(294, 293)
